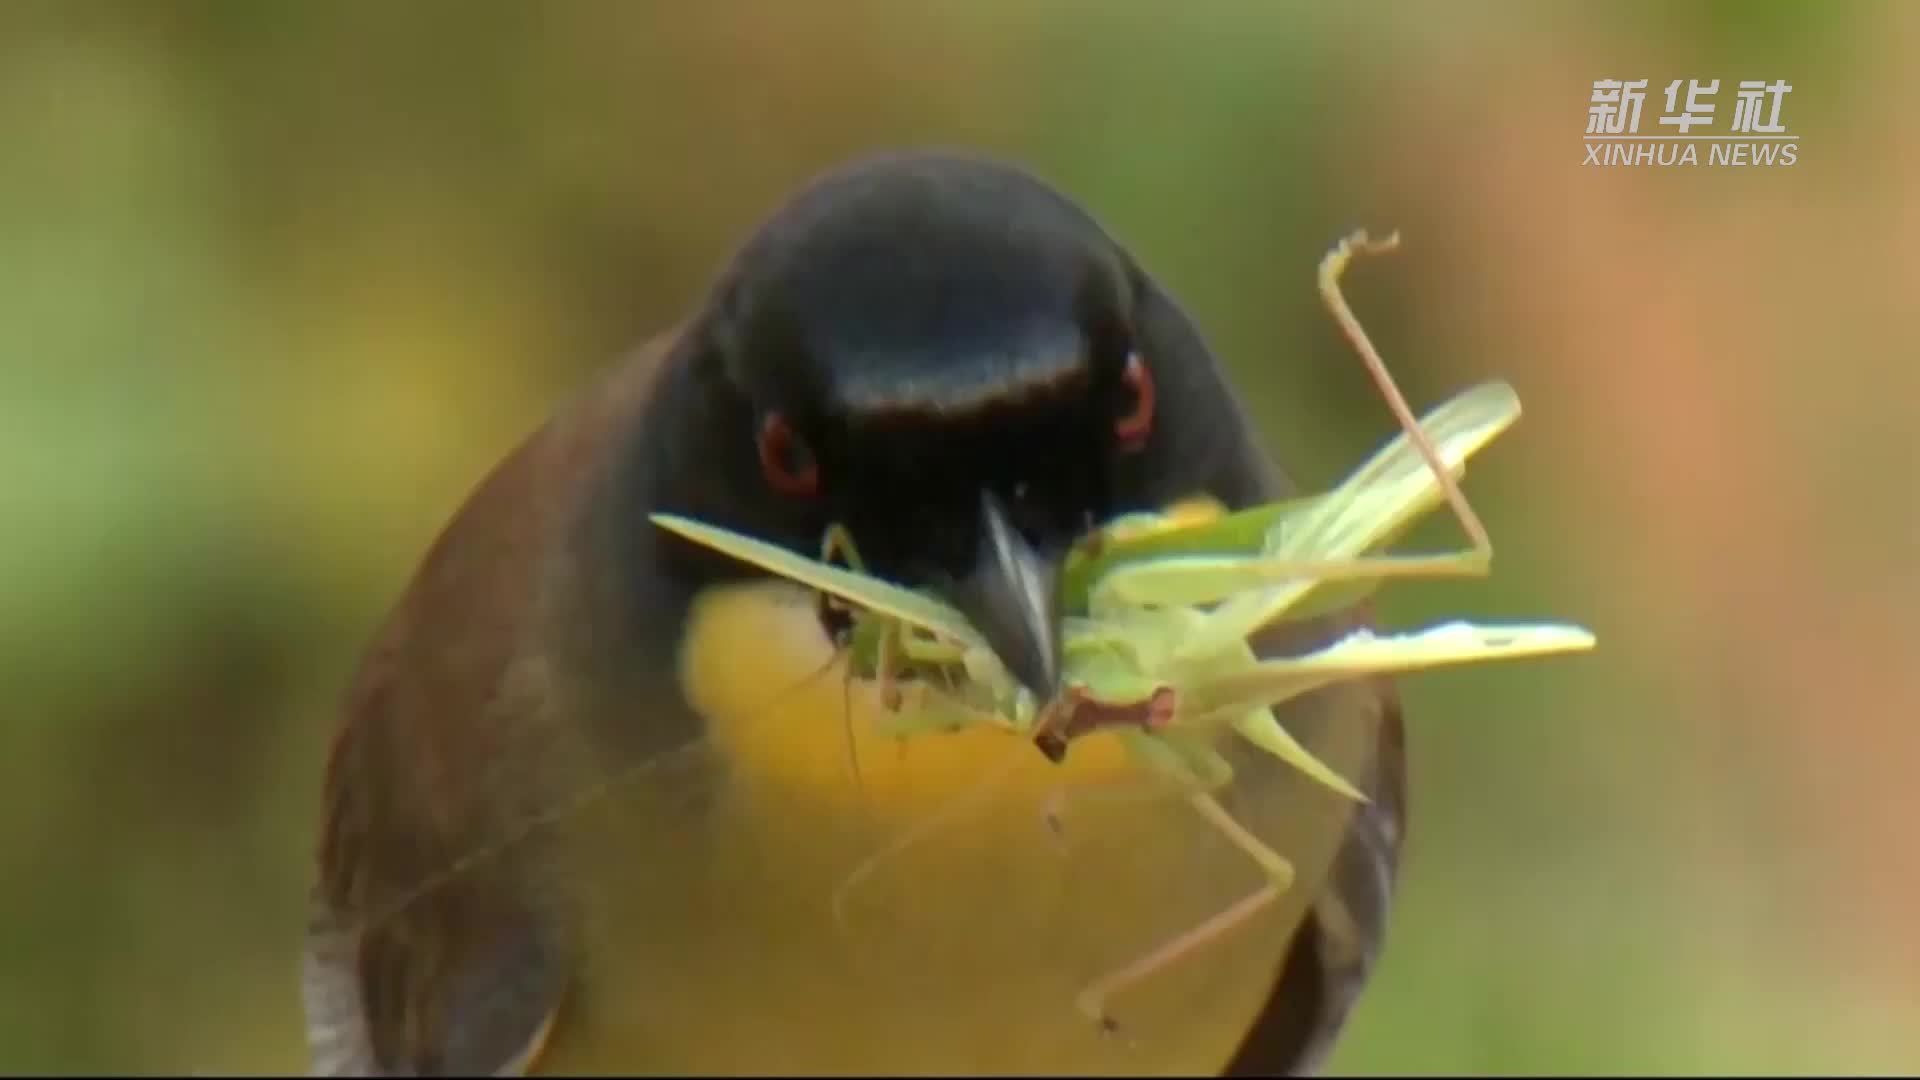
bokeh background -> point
(279, 281)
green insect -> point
(1159, 609)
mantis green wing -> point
(1321, 540)
(870, 593)
(1270, 682)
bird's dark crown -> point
(928, 285)
(924, 328)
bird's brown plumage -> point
(461, 666)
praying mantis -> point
(1159, 609)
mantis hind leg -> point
(1332, 267)
(1092, 1002)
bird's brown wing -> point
(427, 951)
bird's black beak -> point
(1012, 597)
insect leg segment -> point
(1092, 1001)
(1332, 267)
(836, 615)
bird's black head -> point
(959, 365)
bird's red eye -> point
(784, 458)
(1136, 422)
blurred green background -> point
(279, 281)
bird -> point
(597, 802)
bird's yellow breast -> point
(812, 896)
